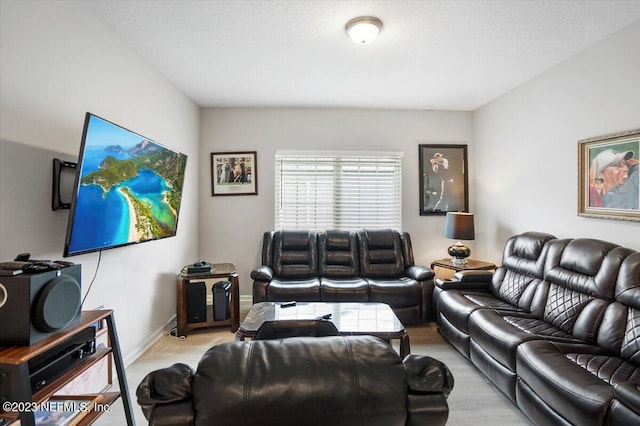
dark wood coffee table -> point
(351, 319)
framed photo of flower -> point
(234, 173)
(608, 184)
(443, 179)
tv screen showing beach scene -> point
(128, 189)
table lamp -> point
(459, 226)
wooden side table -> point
(444, 268)
(218, 270)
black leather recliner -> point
(335, 380)
(567, 350)
(344, 266)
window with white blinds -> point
(338, 190)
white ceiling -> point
(451, 55)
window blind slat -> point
(338, 190)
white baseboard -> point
(148, 342)
(246, 301)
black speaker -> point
(221, 297)
(35, 304)
(196, 302)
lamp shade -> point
(459, 226)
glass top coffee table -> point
(375, 319)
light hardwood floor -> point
(474, 400)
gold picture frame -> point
(608, 182)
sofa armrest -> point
(474, 276)
(165, 386)
(175, 414)
(262, 273)
(628, 394)
(419, 273)
(466, 280)
(428, 375)
(430, 382)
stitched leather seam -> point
(356, 379)
(247, 382)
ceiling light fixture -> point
(364, 29)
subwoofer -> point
(34, 305)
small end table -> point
(218, 270)
(444, 268)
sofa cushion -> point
(338, 251)
(380, 253)
(610, 369)
(586, 266)
(575, 393)
(344, 290)
(397, 293)
(627, 289)
(524, 253)
(457, 306)
(307, 290)
(295, 254)
(619, 331)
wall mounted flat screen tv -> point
(128, 189)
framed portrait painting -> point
(608, 176)
(234, 173)
(443, 179)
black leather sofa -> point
(335, 380)
(556, 328)
(345, 266)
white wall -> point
(232, 227)
(526, 145)
(56, 63)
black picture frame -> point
(443, 179)
(234, 173)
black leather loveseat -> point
(335, 380)
(344, 266)
(556, 328)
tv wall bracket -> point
(58, 166)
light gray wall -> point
(526, 145)
(56, 63)
(232, 227)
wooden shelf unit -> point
(14, 367)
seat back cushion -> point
(295, 254)
(620, 329)
(331, 380)
(380, 253)
(522, 268)
(581, 277)
(338, 251)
